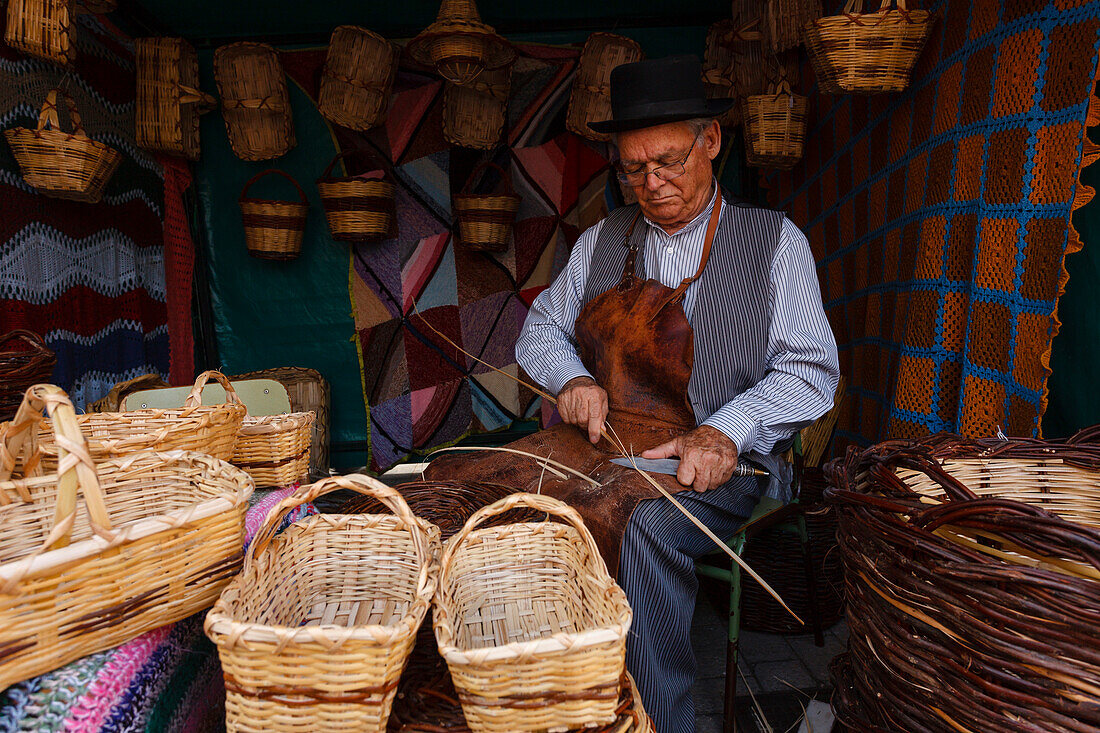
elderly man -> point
(689, 326)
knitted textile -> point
(939, 218)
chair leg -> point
(811, 580)
(729, 712)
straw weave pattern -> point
(274, 449)
(21, 366)
(41, 28)
(308, 392)
(255, 101)
(357, 79)
(169, 103)
(590, 98)
(775, 127)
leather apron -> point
(636, 342)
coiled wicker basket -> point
(314, 632)
(24, 360)
(255, 101)
(531, 625)
(355, 84)
(485, 220)
(41, 28)
(157, 537)
(358, 208)
(273, 229)
(590, 97)
(169, 101)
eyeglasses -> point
(663, 172)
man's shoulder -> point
(731, 199)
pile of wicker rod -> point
(255, 101)
(41, 28)
(359, 208)
(775, 127)
(783, 21)
(169, 101)
(273, 229)
(355, 84)
(973, 585)
(458, 45)
(590, 97)
(308, 392)
(474, 113)
(24, 360)
(866, 53)
(64, 165)
(485, 220)
(102, 553)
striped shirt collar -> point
(695, 223)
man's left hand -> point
(707, 457)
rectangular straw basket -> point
(169, 101)
(358, 208)
(531, 625)
(255, 101)
(195, 427)
(590, 97)
(24, 360)
(157, 537)
(41, 28)
(274, 449)
(64, 165)
(273, 229)
(315, 631)
(866, 53)
(355, 84)
(775, 127)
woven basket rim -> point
(273, 202)
(916, 16)
(267, 424)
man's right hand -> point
(583, 403)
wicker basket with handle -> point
(358, 208)
(64, 165)
(314, 632)
(867, 53)
(42, 28)
(273, 229)
(24, 360)
(255, 101)
(355, 84)
(485, 220)
(474, 113)
(590, 97)
(169, 101)
(157, 538)
(531, 625)
(775, 127)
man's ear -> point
(712, 137)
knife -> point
(671, 465)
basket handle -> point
(338, 157)
(75, 469)
(194, 398)
(203, 102)
(269, 171)
(539, 502)
(358, 483)
(29, 337)
(480, 168)
(48, 113)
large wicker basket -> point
(64, 165)
(255, 101)
(358, 208)
(274, 449)
(590, 97)
(357, 78)
(474, 113)
(485, 220)
(309, 392)
(273, 229)
(531, 625)
(169, 101)
(867, 53)
(24, 360)
(775, 127)
(315, 631)
(157, 538)
(41, 28)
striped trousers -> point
(657, 572)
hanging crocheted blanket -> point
(940, 218)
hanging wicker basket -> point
(458, 45)
(485, 220)
(157, 538)
(41, 28)
(314, 632)
(255, 101)
(24, 360)
(867, 53)
(355, 84)
(359, 208)
(552, 654)
(783, 21)
(775, 127)
(733, 65)
(273, 229)
(63, 165)
(474, 113)
(590, 97)
(169, 101)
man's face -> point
(675, 201)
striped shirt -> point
(802, 367)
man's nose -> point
(652, 182)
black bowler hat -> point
(648, 93)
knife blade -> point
(669, 466)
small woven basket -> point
(308, 392)
(64, 165)
(169, 101)
(41, 28)
(485, 220)
(357, 78)
(255, 101)
(274, 449)
(458, 45)
(531, 625)
(590, 97)
(24, 360)
(474, 113)
(783, 21)
(775, 127)
(273, 229)
(314, 632)
(867, 53)
(157, 538)
(358, 208)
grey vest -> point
(731, 318)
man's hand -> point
(707, 457)
(583, 403)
